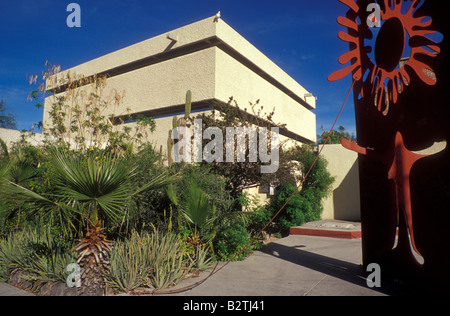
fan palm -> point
(17, 168)
(197, 209)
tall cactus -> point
(176, 122)
(170, 144)
(160, 160)
(187, 106)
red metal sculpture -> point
(401, 106)
(399, 168)
(383, 74)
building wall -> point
(187, 34)
(214, 62)
(232, 77)
(343, 202)
(263, 63)
(165, 84)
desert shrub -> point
(318, 183)
(258, 219)
(231, 240)
(298, 210)
(23, 166)
(198, 183)
(305, 205)
(151, 207)
(212, 183)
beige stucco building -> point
(212, 60)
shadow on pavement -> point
(336, 268)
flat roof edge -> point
(240, 44)
(191, 38)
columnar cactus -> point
(170, 144)
(187, 107)
(179, 122)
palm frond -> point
(198, 208)
(157, 182)
(5, 167)
(172, 195)
(22, 172)
(4, 148)
(41, 206)
(104, 183)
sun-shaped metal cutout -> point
(387, 76)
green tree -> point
(335, 136)
(306, 204)
(7, 119)
(246, 174)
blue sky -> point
(300, 36)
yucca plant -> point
(97, 189)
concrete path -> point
(9, 290)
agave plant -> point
(37, 252)
(97, 189)
(152, 260)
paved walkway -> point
(9, 290)
(293, 266)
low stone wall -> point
(10, 136)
